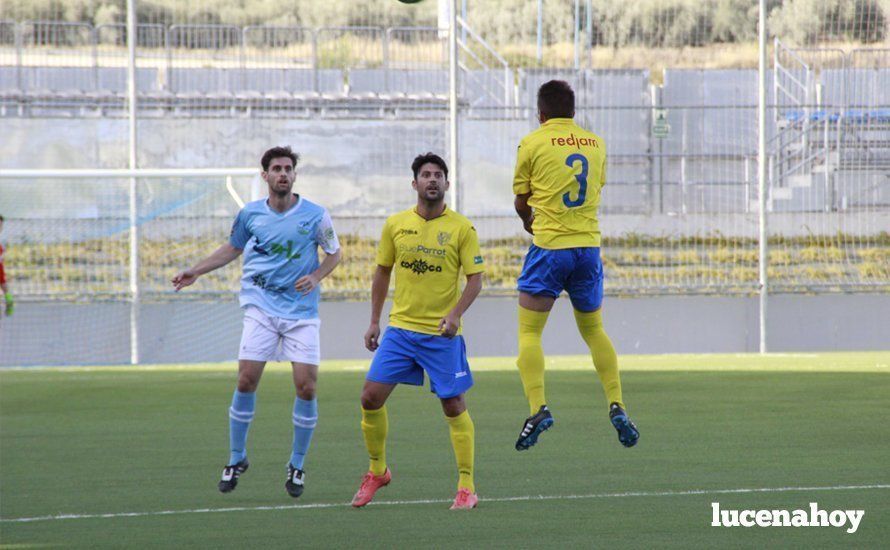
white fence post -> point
(452, 105)
(134, 227)
(761, 178)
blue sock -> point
(240, 415)
(305, 417)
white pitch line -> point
(444, 501)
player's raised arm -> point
(220, 257)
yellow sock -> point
(374, 428)
(462, 439)
(531, 356)
(603, 353)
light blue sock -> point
(305, 418)
(240, 415)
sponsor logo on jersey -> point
(287, 250)
(439, 252)
(259, 280)
(421, 266)
(573, 141)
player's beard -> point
(433, 195)
(280, 191)
(434, 198)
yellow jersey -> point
(427, 257)
(563, 166)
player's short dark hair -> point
(1, 217)
(278, 152)
(556, 99)
(425, 158)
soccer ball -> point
(410, 1)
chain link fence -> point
(670, 86)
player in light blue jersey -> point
(280, 237)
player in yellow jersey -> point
(427, 246)
(10, 305)
(560, 173)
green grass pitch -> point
(99, 443)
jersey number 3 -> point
(582, 181)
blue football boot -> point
(628, 434)
(532, 428)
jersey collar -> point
(554, 121)
(296, 206)
(444, 213)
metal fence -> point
(680, 213)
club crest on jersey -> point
(443, 238)
(303, 228)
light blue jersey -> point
(279, 248)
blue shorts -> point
(403, 355)
(578, 271)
